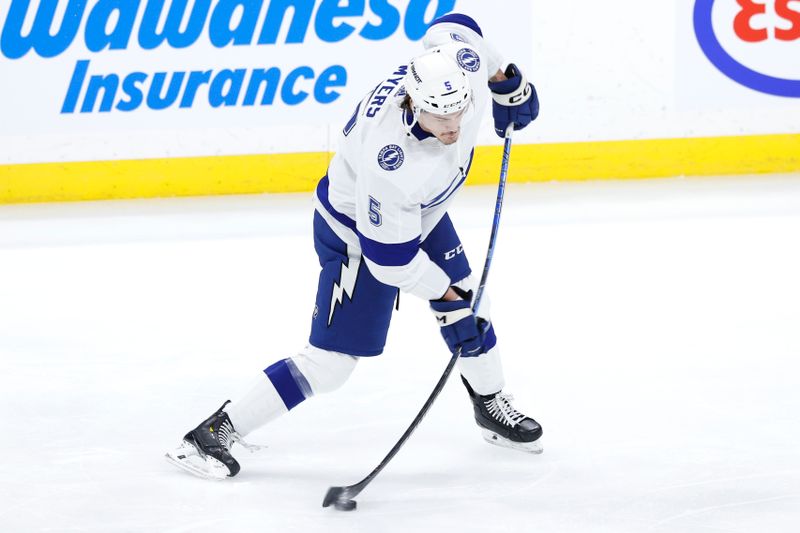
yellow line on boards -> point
(651, 158)
(149, 178)
(299, 172)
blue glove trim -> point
(444, 306)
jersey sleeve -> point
(456, 27)
(389, 229)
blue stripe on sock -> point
(301, 380)
(280, 374)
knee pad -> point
(324, 370)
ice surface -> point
(652, 327)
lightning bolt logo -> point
(346, 285)
(391, 157)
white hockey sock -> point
(484, 373)
(287, 383)
(260, 405)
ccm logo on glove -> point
(514, 101)
(459, 326)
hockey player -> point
(381, 225)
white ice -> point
(652, 327)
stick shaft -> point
(498, 208)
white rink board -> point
(625, 69)
(291, 123)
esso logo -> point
(748, 29)
(755, 43)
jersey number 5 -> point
(375, 217)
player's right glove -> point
(514, 101)
(459, 326)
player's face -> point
(446, 128)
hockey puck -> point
(345, 505)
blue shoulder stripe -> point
(389, 254)
(458, 18)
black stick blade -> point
(340, 498)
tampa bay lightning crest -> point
(468, 59)
(391, 157)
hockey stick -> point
(342, 497)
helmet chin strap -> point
(414, 119)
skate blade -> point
(188, 458)
(534, 447)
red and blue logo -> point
(753, 23)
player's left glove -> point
(514, 101)
(459, 327)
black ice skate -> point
(502, 424)
(205, 451)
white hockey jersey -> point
(387, 186)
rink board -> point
(299, 172)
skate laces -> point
(227, 436)
(501, 409)
(252, 448)
(225, 433)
